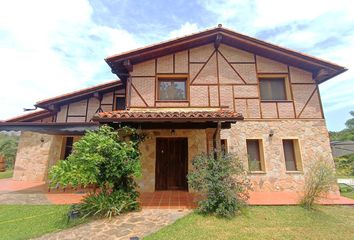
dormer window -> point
(172, 89)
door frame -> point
(185, 165)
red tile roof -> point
(79, 93)
(172, 116)
(32, 116)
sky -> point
(50, 47)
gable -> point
(320, 69)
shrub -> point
(8, 148)
(345, 165)
(109, 159)
(222, 182)
(318, 181)
(105, 204)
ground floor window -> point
(292, 154)
(223, 145)
(67, 146)
(255, 155)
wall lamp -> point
(271, 133)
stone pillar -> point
(34, 154)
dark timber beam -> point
(217, 41)
(128, 65)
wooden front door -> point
(171, 164)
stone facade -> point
(34, 155)
(313, 139)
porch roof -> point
(151, 115)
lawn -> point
(26, 221)
(6, 174)
(284, 222)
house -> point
(216, 89)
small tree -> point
(319, 179)
(109, 159)
(222, 182)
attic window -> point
(274, 88)
(172, 89)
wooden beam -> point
(217, 41)
(128, 65)
(97, 95)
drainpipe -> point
(216, 139)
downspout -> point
(216, 139)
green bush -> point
(108, 205)
(319, 180)
(345, 165)
(109, 159)
(8, 148)
(222, 182)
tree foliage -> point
(8, 148)
(222, 182)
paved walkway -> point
(136, 224)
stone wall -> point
(35, 151)
(196, 144)
(313, 139)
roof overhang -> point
(155, 118)
(49, 128)
(322, 70)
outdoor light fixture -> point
(271, 133)
(42, 140)
(173, 132)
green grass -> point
(284, 222)
(26, 221)
(6, 174)
(348, 194)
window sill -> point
(294, 172)
(256, 172)
(271, 101)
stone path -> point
(135, 224)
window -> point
(68, 147)
(223, 145)
(120, 103)
(292, 155)
(255, 156)
(172, 89)
(273, 88)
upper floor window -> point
(172, 89)
(273, 88)
(120, 103)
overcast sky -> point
(49, 47)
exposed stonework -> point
(196, 144)
(314, 144)
(35, 152)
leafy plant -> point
(108, 205)
(222, 182)
(8, 148)
(109, 159)
(319, 180)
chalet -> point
(216, 89)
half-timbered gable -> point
(226, 77)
